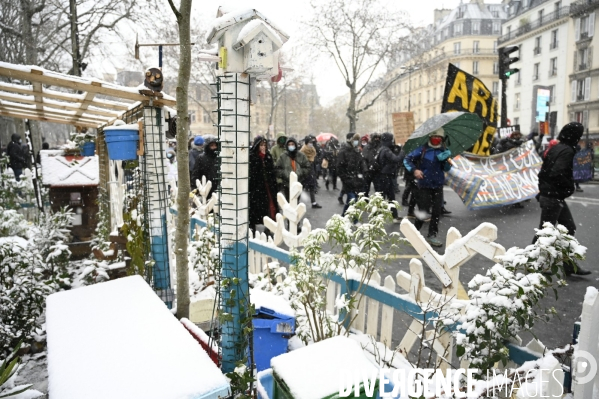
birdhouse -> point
(248, 42)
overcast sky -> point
(288, 14)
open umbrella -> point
(462, 130)
(325, 136)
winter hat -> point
(439, 132)
(349, 136)
(356, 136)
(198, 141)
(365, 138)
(571, 133)
(387, 138)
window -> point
(535, 71)
(554, 41)
(584, 27)
(541, 12)
(475, 27)
(75, 199)
(537, 45)
(552, 94)
(428, 96)
(518, 79)
(206, 117)
(495, 68)
(192, 116)
(495, 47)
(475, 67)
(556, 6)
(495, 13)
(435, 94)
(495, 91)
(475, 47)
(517, 101)
(496, 27)
(516, 121)
(553, 67)
(457, 48)
(457, 29)
(508, 29)
(581, 89)
(581, 117)
(583, 58)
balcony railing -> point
(537, 50)
(530, 26)
(583, 6)
(582, 67)
(553, 45)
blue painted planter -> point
(122, 148)
(88, 149)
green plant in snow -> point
(355, 253)
(505, 301)
(12, 223)
(12, 192)
(9, 368)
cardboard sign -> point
(504, 132)
(465, 92)
(583, 165)
(497, 180)
(403, 126)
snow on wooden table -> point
(118, 340)
(318, 370)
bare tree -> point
(183, 15)
(361, 36)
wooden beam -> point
(66, 106)
(89, 96)
(56, 95)
(45, 119)
(37, 89)
(48, 112)
(74, 83)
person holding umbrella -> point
(429, 163)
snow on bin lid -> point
(314, 371)
(267, 301)
(118, 340)
(59, 170)
(133, 126)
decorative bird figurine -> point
(154, 81)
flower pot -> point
(122, 148)
(88, 149)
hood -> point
(571, 133)
(256, 143)
(387, 139)
(279, 135)
(291, 140)
(15, 137)
(207, 141)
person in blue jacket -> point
(429, 163)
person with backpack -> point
(385, 166)
(370, 152)
(429, 163)
(350, 165)
(17, 158)
(197, 145)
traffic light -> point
(505, 61)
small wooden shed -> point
(73, 182)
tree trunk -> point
(182, 230)
(74, 38)
(351, 111)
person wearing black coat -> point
(17, 158)
(207, 165)
(331, 151)
(350, 167)
(556, 183)
(511, 142)
(262, 183)
(390, 163)
(369, 152)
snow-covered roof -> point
(226, 18)
(59, 170)
(315, 371)
(118, 340)
(252, 29)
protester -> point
(351, 167)
(173, 174)
(196, 149)
(513, 141)
(292, 160)
(369, 152)
(262, 186)
(278, 149)
(38, 159)
(389, 165)
(556, 183)
(207, 165)
(17, 158)
(429, 163)
(409, 194)
(310, 181)
(577, 183)
(331, 151)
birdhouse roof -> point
(226, 19)
(59, 170)
(253, 29)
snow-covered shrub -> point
(13, 192)
(9, 370)
(505, 301)
(355, 253)
(101, 239)
(203, 255)
(12, 223)
(94, 271)
(23, 291)
(133, 228)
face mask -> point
(356, 143)
(436, 140)
(364, 143)
(310, 145)
(291, 148)
(169, 156)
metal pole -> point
(503, 102)
(160, 57)
(409, 89)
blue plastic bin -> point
(122, 147)
(271, 333)
(88, 149)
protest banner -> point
(504, 132)
(403, 126)
(583, 166)
(497, 180)
(467, 93)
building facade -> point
(466, 37)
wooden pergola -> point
(77, 101)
